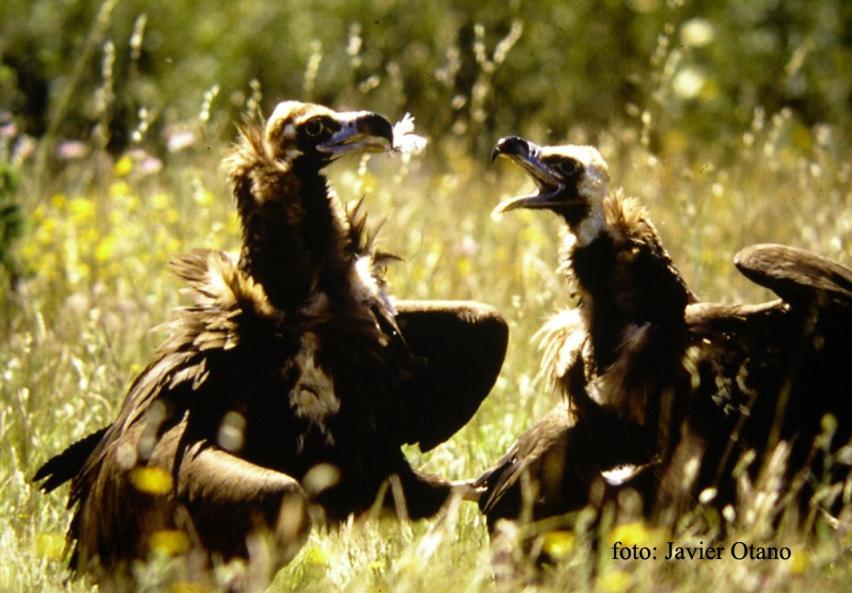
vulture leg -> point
(460, 347)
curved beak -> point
(360, 131)
(528, 155)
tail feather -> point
(63, 467)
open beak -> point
(528, 155)
(360, 131)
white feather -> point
(405, 141)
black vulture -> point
(288, 383)
(665, 394)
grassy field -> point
(77, 330)
(100, 228)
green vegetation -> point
(730, 120)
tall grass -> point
(102, 226)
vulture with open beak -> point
(291, 382)
(665, 394)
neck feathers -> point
(293, 238)
(624, 275)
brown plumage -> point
(286, 383)
(682, 388)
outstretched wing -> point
(796, 275)
(459, 348)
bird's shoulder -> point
(640, 242)
(367, 277)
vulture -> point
(291, 382)
(666, 395)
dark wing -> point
(502, 485)
(66, 465)
(202, 337)
(725, 317)
(449, 352)
(554, 464)
(796, 275)
(228, 496)
(775, 369)
(170, 380)
(459, 348)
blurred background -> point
(729, 119)
(475, 69)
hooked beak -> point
(360, 131)
(528, 155)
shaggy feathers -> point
(694, 386)
(288, 358)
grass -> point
(101, 229)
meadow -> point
(92, 221)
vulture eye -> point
(567, 167)
(314, 127)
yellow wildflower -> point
(116, 218)
(614, 581)
(119, 189)
(160, 201)
(377, 565)
(317, 556)
(46, 231)
(151, 480)
(105, 248)
(636, 533)
(28, 251)
(83, 270)
(558, 544)
(169, 542)
(132, 203)
(800, 562)
(50, 545)
(87, 238)
(82, 210)
(123, 166)
(59, 201)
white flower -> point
(697, 32)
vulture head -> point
(317, 135)
(293, 231)
(572, 180)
